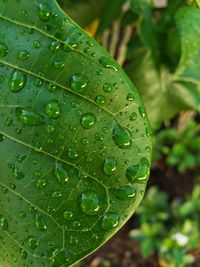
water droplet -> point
(100, 100)
(51, 87)
(67, 215)
(130, 97)
(142, 112)
(125, 192)
(3, 50)
(17, 81)
(72, 153)
(53, 109)
(133, 116)
(23, 253)
(41, 184)
(59, 257)
(50, 128)
(89, 203)
(44, 12)
(78, 83)
(29, 117)
(56, 194)
(70, 42)
(61, 173)
(32, 242)
(121, 137)
(106, 62)
(40, 224)
(107, 87)
(110, 165)
(138, 173)
(59, 64)
(110, 220)
(23, 55)
(88, 120)
(36, 44)
(3, 223)
(76, 224)
(55, 45)
(17, 174)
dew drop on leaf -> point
(36, 44)
(110, 166)
(3, 50)
(59, 64)
(59, 257)
(56, 194)
(72, 153)
(110, 220)
(29, 117)
(53, 109)
(44, 12)
(17, 81)
(88, 120)
(100, 100)
(17, 174)
(40, 223)
(55, 45)
(70, 42)
(41, 184)
(32, 242)
(107, 63)
(121, 137)
(138, 173)
(89, 202)
(3, 223)
(130, 97)
(23, 55)
(107, 87)
(78, 83)
(61, 173)
(142, 112)
(125, 192)
(67, 215)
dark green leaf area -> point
(71, 125)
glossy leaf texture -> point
(188, 21)
(75, 141)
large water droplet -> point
(110, 165)
(110, 220)
(130, 97)
(59, 257)
(88, 120)
(40, 223)
(29, 117)
(125, 192)
(53, 109)
(106, 62)
(61, 173)
(3, 50)
(23, 55)
(3, 223)
(138, 173)
(17, 81)
(142, 112)
(121, 137)
(89, 203)
(44, 12)
(32, 242)
(78, 83)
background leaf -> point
(75, 140)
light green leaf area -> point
(75, 141)
(162, 96)
(188, 24)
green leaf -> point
(188, 24)
(159, 90)
(67, 138)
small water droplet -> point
(55, 45)
(110, 165)
(107, 87)
(17, 174)
(121, 137)
(138, 173)
(125, 192)
(17, 81)
(59, 257)
(44, 12)
(78, 83)
(59, 64)
(76, 224)
(142, 112)
(32, 242)
(72, 153)
(88, 120)
(100, 100)
(53, 109)
(40, 223)
(36, 44)
(133, 116)
(3, 50)
(23, 55)
(130, 97)
(29, 117)
(110, 220)
(61, 173)
(70, 42)
(3, 223)
(89, 203)
(106, 62)
(56, 194)
(41, 184)
(67, 215)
